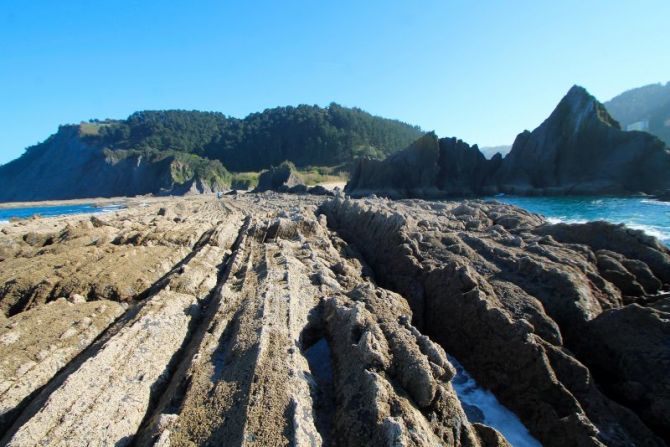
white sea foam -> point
(555, 220)
(494, 413)
(651, 231)
(113, 206)
(654, 202)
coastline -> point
(95, 201)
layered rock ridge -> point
(282, 319)
(245, 321)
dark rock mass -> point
(430, 168)
(278, 178)
(529, 308)
(579, 149)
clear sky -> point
(482, 71)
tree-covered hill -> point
(179, 152)
(650, 104)
(305, 135)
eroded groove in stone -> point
(36, 344)
(255, 379)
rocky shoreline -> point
(276, 319)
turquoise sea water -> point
(49, 211)
(651, 216)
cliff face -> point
(66, 167)
(430, 167)
(579, 149)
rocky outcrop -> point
(279, 178)
(430, 168)
(279, 319)
(265, 328)
(579, 149)
(512, 303)
(628, 352)
(68, 166)
(285, 178)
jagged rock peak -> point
(580, 105)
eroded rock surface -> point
(36, 344)
(493, 287)
(270, 319)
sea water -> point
(482, 406)
(651, 216)
(58, 210)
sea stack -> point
(581, 149)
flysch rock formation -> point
(578, 149)
(275, 319)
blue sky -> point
(482, 71)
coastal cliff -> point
(68, 166)
(579, 149)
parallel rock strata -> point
(253, 379)
(275, 319)
(36, 344)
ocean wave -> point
(3, 222)
(658, 233)
(556, 220)
(655, 202)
